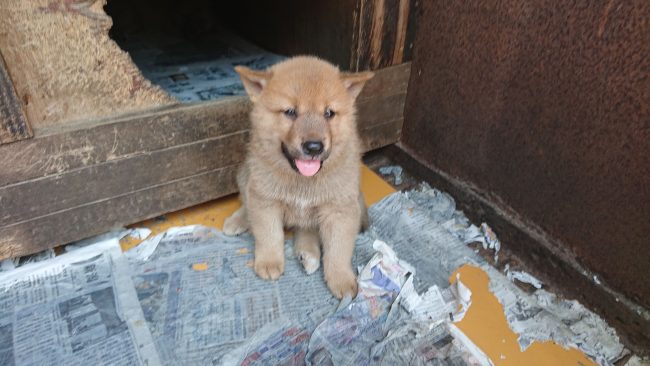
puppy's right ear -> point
(254, 81)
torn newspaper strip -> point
(13, 263)
(74, 309)
(394, 170)
(523, 277)
(542, 316)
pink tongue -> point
(308, 167)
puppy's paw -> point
(234, 225)
(269, 268)
(309, 262)
(342, 285)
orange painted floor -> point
(484, 323)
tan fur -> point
(326, 209)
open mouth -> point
(306, 167)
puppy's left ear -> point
(254, 81)
(354, 82)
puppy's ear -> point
(354, 82)
(254, 81)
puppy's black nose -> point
(312, 148)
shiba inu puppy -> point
(302, 169)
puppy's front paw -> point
(343, 284)
(234, 225)
(269, 268)
(309, 261)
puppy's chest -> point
(301, 214)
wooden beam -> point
(13, 124)
(99, 216)
(21, 202)
(73, 147)
(95, 142)
(389, 81)
(377, 111)
(382, 135)
(382, 34)
(82, 180)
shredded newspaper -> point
(190, 296)
(73, 309)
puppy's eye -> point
(290, 113)
(329, 114)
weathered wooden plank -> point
(388, 81)
(379, 110)
(401, 31)
(414, 9)
(381, 33)
(381, 135)
(114, 140)
(13, 123)
(51, 194)
(100, 216)
(389, 34)
(97, 142)
(361, 35)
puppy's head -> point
(303, 114)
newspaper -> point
(388, 323)
(190, 296)
(523, 277)
(426, 221)
(395, 171)
(73, 309)
(202, 299)
(410, 344)
(346, 337)
(638, 361)
(542, 316)
(282, 342)
(200, 71)
(412, 223)
(436, 305)
(204, 304)
(13, 263)
(441, 208)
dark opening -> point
(185, 47)
(190, 48)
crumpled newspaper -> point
(388, 312)
(394, 170)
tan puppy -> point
(302, 169)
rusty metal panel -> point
(545, 107)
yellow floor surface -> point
(484, 323)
